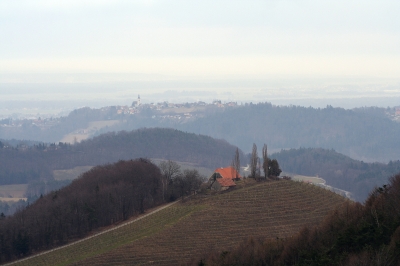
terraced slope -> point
(186, 230)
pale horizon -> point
(249, 50)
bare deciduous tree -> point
(169, 170)
(236, 164)
(233, 167)
(253, 161)
(265, 161)
(188, 182)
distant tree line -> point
(176, 182)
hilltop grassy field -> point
(14, 192)
(188, 229)
(70, 174)
(85, 133)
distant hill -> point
(337, 169)
(367, 134)
(175, 235)
(360, 134)
(54, 132)
(30, 164)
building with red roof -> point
(397, 111)
(227, 172)
(223, 178)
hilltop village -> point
(161, 111)
(180, 112)
(166, 110)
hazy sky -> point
(202, 38)
(66, 40)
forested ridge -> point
(337, 169)
(360, 134)
(36, 163)
(366, 134)
(24, 165)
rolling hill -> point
(201, 224)
(354, 234)
(367, 134)
(27, 164)
(338, 170)
(40, 165)
(361, 134)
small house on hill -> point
(223, 178)
(222, 184)
(227, 172)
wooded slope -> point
(101, 197)
(361, 134)
(366, 134)
(18, 166)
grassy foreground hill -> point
(354, 234)
(202, 224)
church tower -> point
(138, 100)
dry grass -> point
(70, 174)
(12, 199)
(85, 133)
(309, 179)
(74, 137)
(217, 222)
(304, 178)
(111, 240)
(189, 166)
(13, 191)
(95, 125)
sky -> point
(274, 47)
